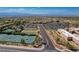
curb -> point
(25, 48)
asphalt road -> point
(4, 49)
(9, 49)
(49, 46)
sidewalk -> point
(23, 47)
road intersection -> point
(45, 38)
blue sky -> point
(39, 11)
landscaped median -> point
(56, 45)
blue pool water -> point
(17, 38)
